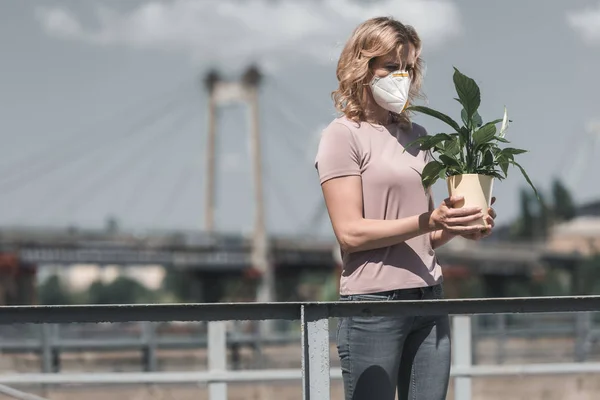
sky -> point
(103, 111)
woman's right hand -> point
(454, 220)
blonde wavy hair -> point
(373, 38)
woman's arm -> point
(438, 237)
(343, 197)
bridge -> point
(218, 252)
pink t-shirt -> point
(392, 189)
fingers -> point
(492, 212)
(464, 230)
(463, 220)
(493, 200)
(452, 200)
(463, 212)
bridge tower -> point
(244, 90)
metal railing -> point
(52, 341)
(315, 372)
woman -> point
(386, 224)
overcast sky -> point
(102, 111)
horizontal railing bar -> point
(153, 377)
(290, 311)
(271, 375)
(148, 312)
(171, 343)
(527, 369)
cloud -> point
(586, 22)
(59, 22)
(593, 127)
(211, 30)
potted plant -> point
(470, 157)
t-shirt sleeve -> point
(338, 153)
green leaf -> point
(442, 173)
(490, 171)
(464, 135)
(465, 118)
(430, 173)
(468, 92)
(421, 142)
(432, 168)
(494, 122)
(449, 161)
(513, 151)
(498, 138)
(504, 165)
(438, 138)
(428, 142)
(526, 178)
(488, 159)
(435, 114)
(472, 123)
(484, 134)
(496, 175)
(477, 121)
(451, 148)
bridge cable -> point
(87, 194)
(81, 134)
(57, 192)
(150, 173)
(57, 162)
(175, 195)
(320, 209)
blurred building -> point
(17, 281)
(579, 235)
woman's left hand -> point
(489, 221)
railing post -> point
(46, 334)
(315, 353)
(149, 346)
(583, 322)
(217, 358)
(501, 336)
(461, 355)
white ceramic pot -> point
(476, 190)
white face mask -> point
(391, 92)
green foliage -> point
(179, 284)
(123, 290)
(588, 277)
(564, 206)
(527, 222)
(53, 292)
(472, 148)
(537, 218)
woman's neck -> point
(374, 113)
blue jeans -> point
(381, 354)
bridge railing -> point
(315, 372)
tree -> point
(526, 224)
(53, 292)
(123, 290)
(178, 284)
(544, 218)
(564, 207)
(537, 217)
